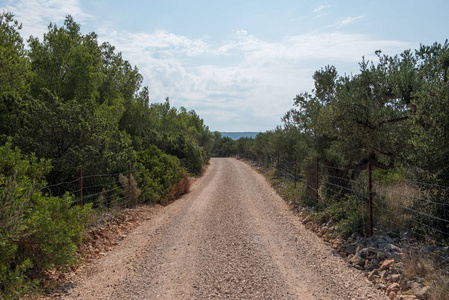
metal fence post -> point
(370, 200)
(81, 186)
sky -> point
(240, 63)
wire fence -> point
(102, 190)
(385, 203)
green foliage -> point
(363, 117)
(389, 175)
(37, 232)
(86, 108)
(223, 146)
(66, 63)
(14, 71)
(72, 135)
(76, 103)
(158, 172)
(14, 74)
(391, 115)
(431, 131)
(178, 133)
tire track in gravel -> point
(231, 237)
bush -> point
(158, 173)
(348, 213)
(37, 232)
(184, 148)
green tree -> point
(73, 135)
(14, 71)
(430, 138)
(223, 146)
(431, 131)
(365, 117)
(14, 75)
(80, 94)
(66, 63)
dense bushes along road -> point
(67, 102)
(231, 237)
(393, 115)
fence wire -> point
(400, 204)
(102, 190)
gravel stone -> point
(231, 237)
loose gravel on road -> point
(231, 237)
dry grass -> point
(132, 191)
(392, 198)
(396, 196)
(418, 265)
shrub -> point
(37, 232)
(157, 173)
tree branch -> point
(382, 122)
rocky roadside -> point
(97, 241)
(380, 257)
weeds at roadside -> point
(422, 267)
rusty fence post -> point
(370, 200)
(81, 186)
(317, 179)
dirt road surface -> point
(231, 237)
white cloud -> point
(242, 83)
(259, 83)
(159, 41)
(332, 46)
(36, 15)
(320, 8)
(321, 11)
(350, 20)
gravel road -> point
(231, 237)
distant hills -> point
(237, 135)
